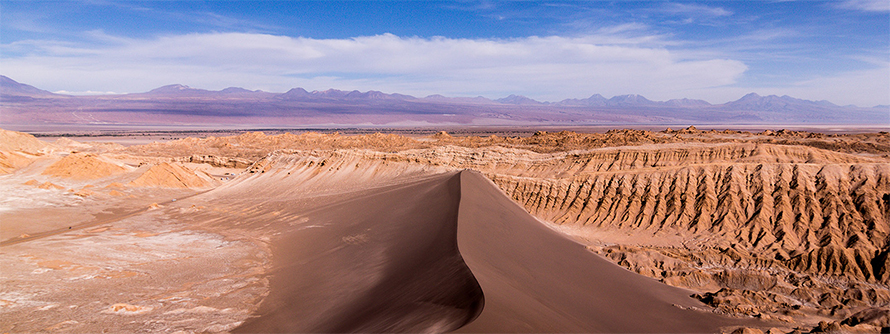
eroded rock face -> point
(779, 230)
(817, 218)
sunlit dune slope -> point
(19, 149)
(536, 280)
(171, 175)
(83, 167)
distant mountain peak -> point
(235, 90)
(630, 99)
(517, 99)
(174, 88)
(686, 103)
(12, 87)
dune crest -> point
(390, 239)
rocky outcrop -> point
(815, 211)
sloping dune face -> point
(782, 223)
(18, 149)
(536, 280)
(361, 244)
(420, 250)
(83, 167)
(167, 175)
(380, 262)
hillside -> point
(186, 106)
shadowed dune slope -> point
(536, 280)
(385, 261)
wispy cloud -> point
(866, 5)
(694, 10)
(548, 68)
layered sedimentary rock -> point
(779, 229)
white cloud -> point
(696, 10)
(89, 92)
(864, 88)
(866, 5)
(547, 68)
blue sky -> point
(715, 50)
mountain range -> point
(23, 104)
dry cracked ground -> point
(792, 228)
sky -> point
(716, 51)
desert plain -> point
(624, 231)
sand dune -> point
(536, 280)
(13, 141)
(380, 262)
(392, 259)
(18, 150)
(81, 166)
(167, 175)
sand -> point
(430, 255)
(167, 175)
(83, 167)
(380, 262)
(536, 280)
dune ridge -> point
(18, 150)
(404, 214)
(776, 229)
